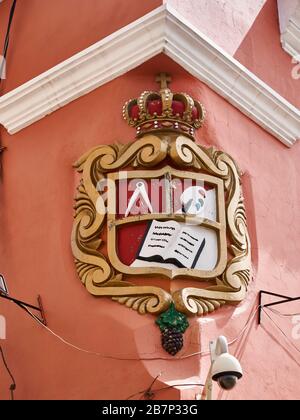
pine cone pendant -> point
(171, 340)
(172, 325)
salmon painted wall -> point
(43, 36)
(266, 58)
(249, 31)
(36, 195)
(233, 18)
(46, 32)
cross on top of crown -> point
(163, 79)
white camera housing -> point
(226, 369)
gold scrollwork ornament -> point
(100, 276)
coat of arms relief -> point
(162, 207)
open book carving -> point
(171, 243)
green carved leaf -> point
(172, 319)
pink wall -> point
(42, 37)
(44, 33)
(226, 22)
(36, 211)
(261, 53)
(36, 219)
(249, 31)
(286, 8)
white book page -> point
(160, 237)
(207, 260)
(187, 245)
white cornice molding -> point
(290, 40)
(162, 30)
(225, 75)
(290, 27)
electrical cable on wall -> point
(200, 353)
(4, 53)
(6, 40)
(149, 392)
(2, 68)
(13, 385)
(278, 327)
(146, 395)
(283, 315)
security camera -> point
(226, 369)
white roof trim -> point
(290, 28)
(162, 30)
(290, 39)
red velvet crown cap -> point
(155, 107)
(164, 111)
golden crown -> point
(164, 111)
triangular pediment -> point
(160, 31)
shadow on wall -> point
(261, 52)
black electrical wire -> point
(4, 53)
(282, 332)
(6, 40)
(281, 314)
(145, 392)
(13, 385)
(10, 19)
